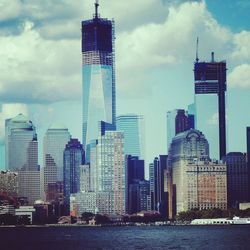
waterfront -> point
(145, 237)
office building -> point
(110, 168)
(196, 182)
(210, 88)
(20, 141)
(54, 142)
(73, 158)
(133, 127)
(22, 155)
(134, 172)
(98, 72)
(178, 121)
(84, 178)
(139, 196)
(237, 178)
(157, 186)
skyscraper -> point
(22, 155)
(197, 182)
(178, 121)
(54, 142)
(133, 127)
(73, 158)
(210, 88)
(237, 178)
(157, 186)
(98, 76)
(21, 144)
(110, 169)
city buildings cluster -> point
(106, 173)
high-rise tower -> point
(210, 88)
(99, 109)
(133, 127)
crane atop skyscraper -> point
(96, 8)
(197, 49)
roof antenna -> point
(197, 48)
(96, 8)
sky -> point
(40, 61)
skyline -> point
(157, 69)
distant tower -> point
(73, 159)
(133, 127)
(98, 77)
(210, 88)
(54, 142)
(22, 156)
(178, 121)
(21, 144)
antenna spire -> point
(96, 8)
(197, 49)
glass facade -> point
(98, 77)
(210, 103)
(73, 159)
(21, 144)
(207, 121)
(133, 127)
(54, 142)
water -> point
(107, 238)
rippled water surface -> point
(168, 237)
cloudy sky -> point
(40, 61)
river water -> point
(131, 237)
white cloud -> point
(240, 77)
(38, 70)
(241, 51)
(43, 62)
(9, 9)
(170, 42)
(9, 111)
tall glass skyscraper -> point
(21, 144)
(22, 156)
(133, 127)
(54, 142)
(98, 76)
(210, 114)
(73, 158)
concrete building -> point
(196, 182)
(110, 168)
(84, 178)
